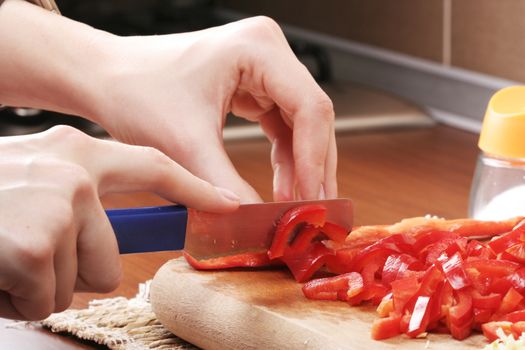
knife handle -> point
(149, 229)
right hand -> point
(55, 237)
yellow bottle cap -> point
(503, 131)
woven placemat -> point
(118, 323)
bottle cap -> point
(503, 131)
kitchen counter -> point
(389, 175)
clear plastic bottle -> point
(498, 186)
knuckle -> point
(35, 256)
(263, 26)
(323, 107)
(71, 136)
(65, 132)
(76, 177)
(61, 213)
(159, 159)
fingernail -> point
(229, 195)
(322, 195)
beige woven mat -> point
(118, 323)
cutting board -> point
(265, 309)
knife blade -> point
(203, 234)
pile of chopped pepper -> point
(424, 275)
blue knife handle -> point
(149, 229)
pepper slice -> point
(303, 264)
(291, 222)
(328, 288)
(455, 273)
(251, 259)
(308, 234)
(388, 327)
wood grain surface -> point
(388, 174)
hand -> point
(173, 92)
(54, 235)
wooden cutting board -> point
(265, 309)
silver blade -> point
(249, 228)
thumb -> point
(127, 168)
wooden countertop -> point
(389, 175)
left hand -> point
(173, 92)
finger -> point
(280, 135)
(250, 106)
(330, 173)
(7, 310)
(307, 108)
(30, 296)
(213, 164)
(65, 263)
(99, 267)
(310, 148)
(125, 168)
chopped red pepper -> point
(516, 316)
(510, 302)
(420, 316)
(515, 253)
(455, 273)
(395, 267)
(303, 264)
(384, 328)
(402, 291)
(251, 259)
(490, 301)
(461, 313)
(503, 242)
(424, 278)
(489, 329)
(291, 222)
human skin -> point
(169, 93)
(173, 92)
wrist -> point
(54, 63)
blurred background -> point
(384, 63)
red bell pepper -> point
(380, 250)
(489, 329)
(477, 249)
(455, 273)
(384, 328)
(328, 287)
(308, 234)
(516, 316)
(461, 313)
(503, 242)
(386, 306)
(251, 259)
(425, 278)
(481, 316)
(429, 238)
(291, 222)
(491, 301)
(303, 264)
(395, 267)
(402, 291)
(303, 239)
(510, 302)
(515, 253)
(491, 267)
(420, 316)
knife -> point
(205, 235)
